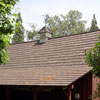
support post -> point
(35, 92)
(69, 93)
(35, 95)
(93, 83)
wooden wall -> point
(83, 87)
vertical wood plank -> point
(93, 83)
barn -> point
(49, 68)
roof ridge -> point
(57, 37)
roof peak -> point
(44, 30)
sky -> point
(32, 11)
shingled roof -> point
(57, 62)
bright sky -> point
(32, 11)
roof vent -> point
(45, 34)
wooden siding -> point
(83, 87)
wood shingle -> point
(57, 62)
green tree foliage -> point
(97, 93)
(94, 24)
(32, 34)
(61, 25)
(19, 30)
(70, 23)
(93, 59)
(6, 27)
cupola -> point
(45, 34)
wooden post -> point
(35, 92)
(93, 83)
(35, 95)
(69, 93)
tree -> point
(93, 59)
(32, 34)
(74, 22)
(70, 23)
(94, 24)
(6, 27)
(61, 25)
(56, 25)
(19, 30)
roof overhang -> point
(40, 76)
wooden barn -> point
(49, 69)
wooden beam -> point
(69, 93)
